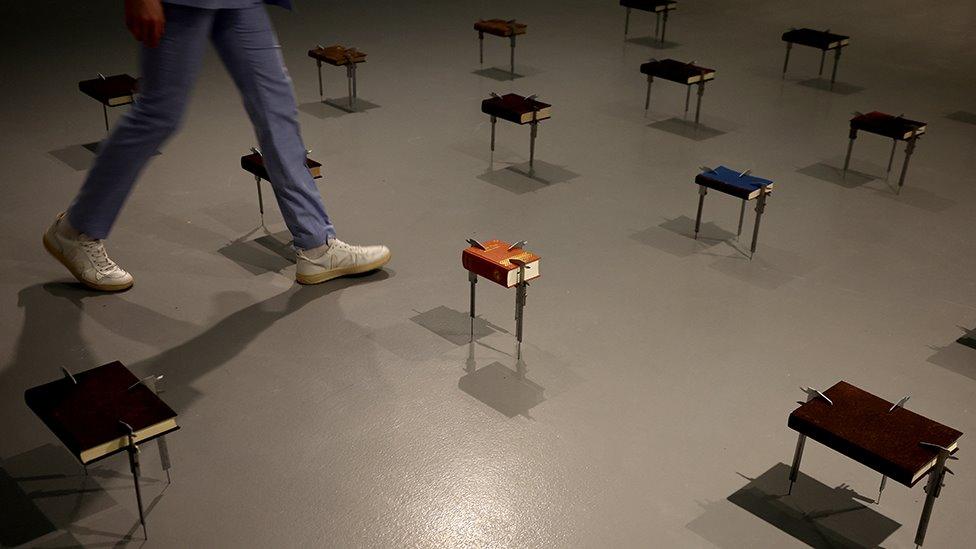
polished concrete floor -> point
(650, 408)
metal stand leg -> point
(760, 207)
(134, 467)
(657, 23)
(512, 61)
(833, 73)
(355, 92)
(823, 55)
(701, 92)
(664, 26)
(473, 279)
(321, 91)
(481, 48)
(105, 115)
(884, 479)
(647, 99)
(350, 75)
(520, 295)
(797, 456)
(164, 457)
(909, 149)
(891, 158)
(850, 147)
(742, 215)
(702, 191)
(626, 22)
(687, 97)
(786, 62)
(494, 119)
(257, 181)
(533, 132)
(932, 490)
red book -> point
(495, 262)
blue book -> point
(744, 186)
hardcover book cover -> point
(495, 262)
(515, 108)
(741, 185)
(865, 428)
(337, 55)
(85, 415)
(112, 90)
(254, 163)
(823, 40)
(500, 27)
(677, 71)
(887, 125)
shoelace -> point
(96, 252)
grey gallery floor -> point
(650, 409)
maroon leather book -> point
(112, 90)
(677, 71)
(650, 5)
(860, 426)
(515, 108)
(337, 55)
(500, 27)
(254, 163)
(895, 127)
(85, 415)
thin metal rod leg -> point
(760, 207)
(134, 467)
(891, 158)
(823, 56)
(520, 295)
(481, 48)
(664, 26)
(850, 147)
(833, 72)
(881, 489)
(786, 62)
(512, 60)
(742, 215)
(702, 191)
(687, 97)
(909, 149)
(797, 456)
(257, 181)
(532, 134)
(164, 457)
(626, 22)
(350, 75)
(494, 120)
(321, 89)
(105, 115)
(932, 490)
(657, 23)
(647, 98)
(701, 92)
(473, 279)
(355, 92)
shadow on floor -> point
(686, 128)
(336, 107)
(516, 178)
(958, 356)
(814, 514)
(831, 174)
(652, 42)
(267, 252)
(916, 197)
(76, 157)
(962, 116)
(454, 326)
(677, 236)
(839, 88)
(507, 391)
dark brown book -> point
(337, 55)
(254, 163)
(677, 71)
(650, 5)
(112, 90)
(895, 127)
(823, 40)
(495, 262)
(500, 27)
(516, 108)
(866, 429)
(85, 414)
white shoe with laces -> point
(340, 259)
(86, 258)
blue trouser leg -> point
(249, 49)
(168, 72)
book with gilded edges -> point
(824, 40)
(515, 108)
(337, 55)
(495, 262)
(895, 127)
(85, 415)
(112, 90)
(254, 163)
(500, 27)
(677, 71)
(865, 428)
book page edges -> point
(101, 450)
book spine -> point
(484, 268)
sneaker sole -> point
(67, 265)
(329, 275)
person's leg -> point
(249, 48)
(168, 72)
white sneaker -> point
(86, 259)
(340, 259)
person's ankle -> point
(65, 229)
(318, 251)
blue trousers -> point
(249, 49)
